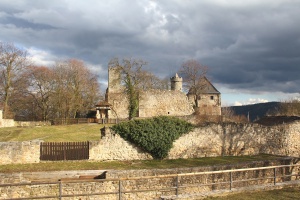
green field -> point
(127, 165)
(90, 132)
(67, 133)
(287, 193)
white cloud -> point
(250, 101)
(41, 57)
(249, 46)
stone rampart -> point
(20, 152)
(237, 139)
(7, 123)
(32, 123)
(148, 186)
(163, 102)
(113, 147)
(207, 141)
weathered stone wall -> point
(6, 122)
(210, 140)
(293, 139)
(151, 103)
(206, 141)
(209, 104)
(163, 102)
(238, 139)
(119, 102)
(20, 152)
(32, 123)
(112, 185)
(12, 123)
(113, 147)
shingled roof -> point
(207, 88)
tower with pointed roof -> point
(176, 83)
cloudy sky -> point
(252, 47)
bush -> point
(155, 135)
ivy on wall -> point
(154, 135)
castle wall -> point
(163, 102)
(207, 141)
(119, 108)
(114, 80)
(148, 187)
(209, 104)
(151, 103)
(238, 139)
(6, 122)
(113, 147)
(20, 152)
(216, 140)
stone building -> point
(155, 102)
(206, 100)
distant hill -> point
(256, 111)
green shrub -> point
(154, 135)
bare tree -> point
(151, 81)
(193, 74)
(13, 61)
(75, 89)
(131, 77)
(290, 107)
(41, 82)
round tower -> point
(176, 83)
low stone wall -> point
(238, 139)
(7, 123)
(20, 152)
(32, 123)
(113, 147)
(78, 187)
(209, 141)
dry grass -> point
(68, 133)
(278, 194)
(127, 165)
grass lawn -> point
(127, 165)
(279, 194)
(67, 133)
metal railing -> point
(178, 182)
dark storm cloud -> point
(249, 45)
(21, 23)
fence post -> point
(230, 173)
(60, 190)
(120, 190)
(177, 184)
(274, 175)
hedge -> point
(154, 135)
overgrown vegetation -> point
(155, 135)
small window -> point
(211, 97)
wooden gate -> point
(64, 151)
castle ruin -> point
(156, 102)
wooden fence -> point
(64, 151)
(68, 121)
(288, 174)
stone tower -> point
(114, 80)
(176, 83)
